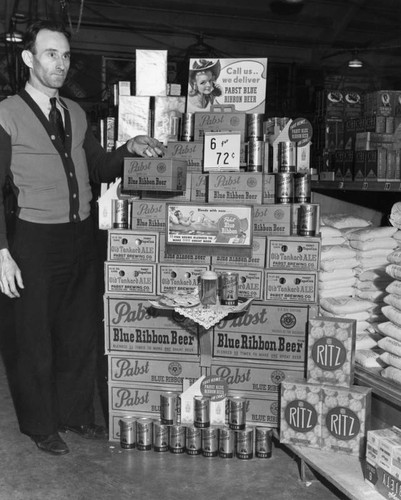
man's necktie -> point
(56, 119)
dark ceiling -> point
(312, 32)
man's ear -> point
(27, 57)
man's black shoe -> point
(51, 443)
(90, 431)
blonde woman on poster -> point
(202, 88)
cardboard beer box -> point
(136, 398)
(300, 413)
(345, 419)
(331, 351)
(198, 191)
(250, 281)
(165, 256)
(154, 174)
(272, 220)
(260, 410)
(257, 259)
(219, 122)
(268, 189)
(178, 277)
(128, 278)
(265, 332)
(169, 196)
(133, 327)
(256, 378)
(148, 215)
(235, 187)
(192, 152)
(293, 252)
(132, 246)
(290, 286)
(152, 369)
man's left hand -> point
(145, 146)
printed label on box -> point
(178, 278)
(250, 281)
(135, 279)
(293, 253)
(291, 286)
(148, 215)
(132, 246)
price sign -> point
(221, 151)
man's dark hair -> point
(34, 28)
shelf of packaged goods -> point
(342, 471)
(391, 187)
(381, 387)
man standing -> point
(50, 156)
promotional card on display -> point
(236, 83)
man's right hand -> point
(10, 275)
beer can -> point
(229, 288)
(160, 436)
(187, 127)
(287, 156)
(168, 408)
(263, 442)
(308, 219)
(127, 432)
(302, 188)
(254, 126)
(177, 438)
(193, 442)
(244, 444)
(236, 412)
(210, 442)
(144, 429)
(201, 412)
(226, 442)
(254, 157)
(120, 213)
(284, 187)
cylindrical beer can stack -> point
(187, 127)
(254, 142)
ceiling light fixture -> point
(13, 35)
(355, 63)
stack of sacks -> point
(391, 329)
(336, 276)
(373, 245)
(357, 309)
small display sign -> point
(221, 151)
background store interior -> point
(309, 43)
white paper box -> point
(151, 72)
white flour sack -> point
(390, 345)
(372, 295)
(346, 305)
(332, 265)
(393, 300)
(333, 252)
(373, 233)
(391, 359)
(341, 221)
(365, 341)
(395, 257)
(336, 274)
(330, 232)
(394, 287)
(397, 236)
(333, 240)
(341, 283)
(392, 373)
(387, 244)
(392, 314)
(389, 329)
(394, 271)
(369, 358)
(373, 275)
(342, 291)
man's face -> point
(50, 62)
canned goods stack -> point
(200, 439)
